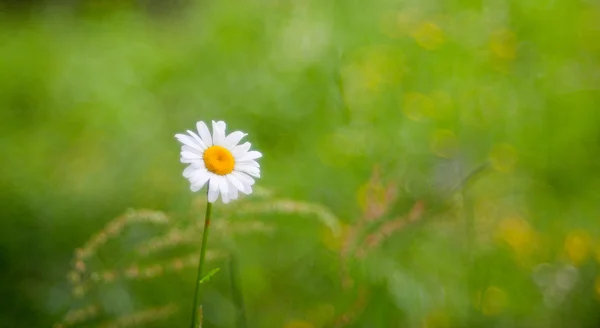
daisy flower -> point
(219, 161)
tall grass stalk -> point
(236, 292)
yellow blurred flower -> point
(520, 236)
(503, 44)
(417, 106)
(371, 192)
(367, 73)
(444, 143)
(438, 319)
(492, 301)
(332, 240)
(597, 286)
(298, 324)
(428, 35)
(396, 24)
(578, 246)
(503, 48)
(503, 157)
(375, 66)
(516, 232)
(597, 251)
(321, 314)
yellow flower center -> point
(218, 160)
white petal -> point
(240, 150)
(198, 140)
(247, 190)
(250, 162)
(254, 174)
(213, 189)
(246, 181)
(199, 182)
(191, 149)
(223, 185)
(218, 133)
(233, 139)
(243, 177)
(196, 162)
(251, 155)
(234, 182)
(199, 164)
(188, 141)
(189, 171)
(233, 192)
(204, 133)
(249, 169)
(225, 198)
(190, 155)
(199, 176)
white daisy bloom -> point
(219, 161)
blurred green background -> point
(426, 163)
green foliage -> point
(432, 164)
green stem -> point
(201, 262)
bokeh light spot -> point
(428, 35)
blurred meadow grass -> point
(426, 163)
